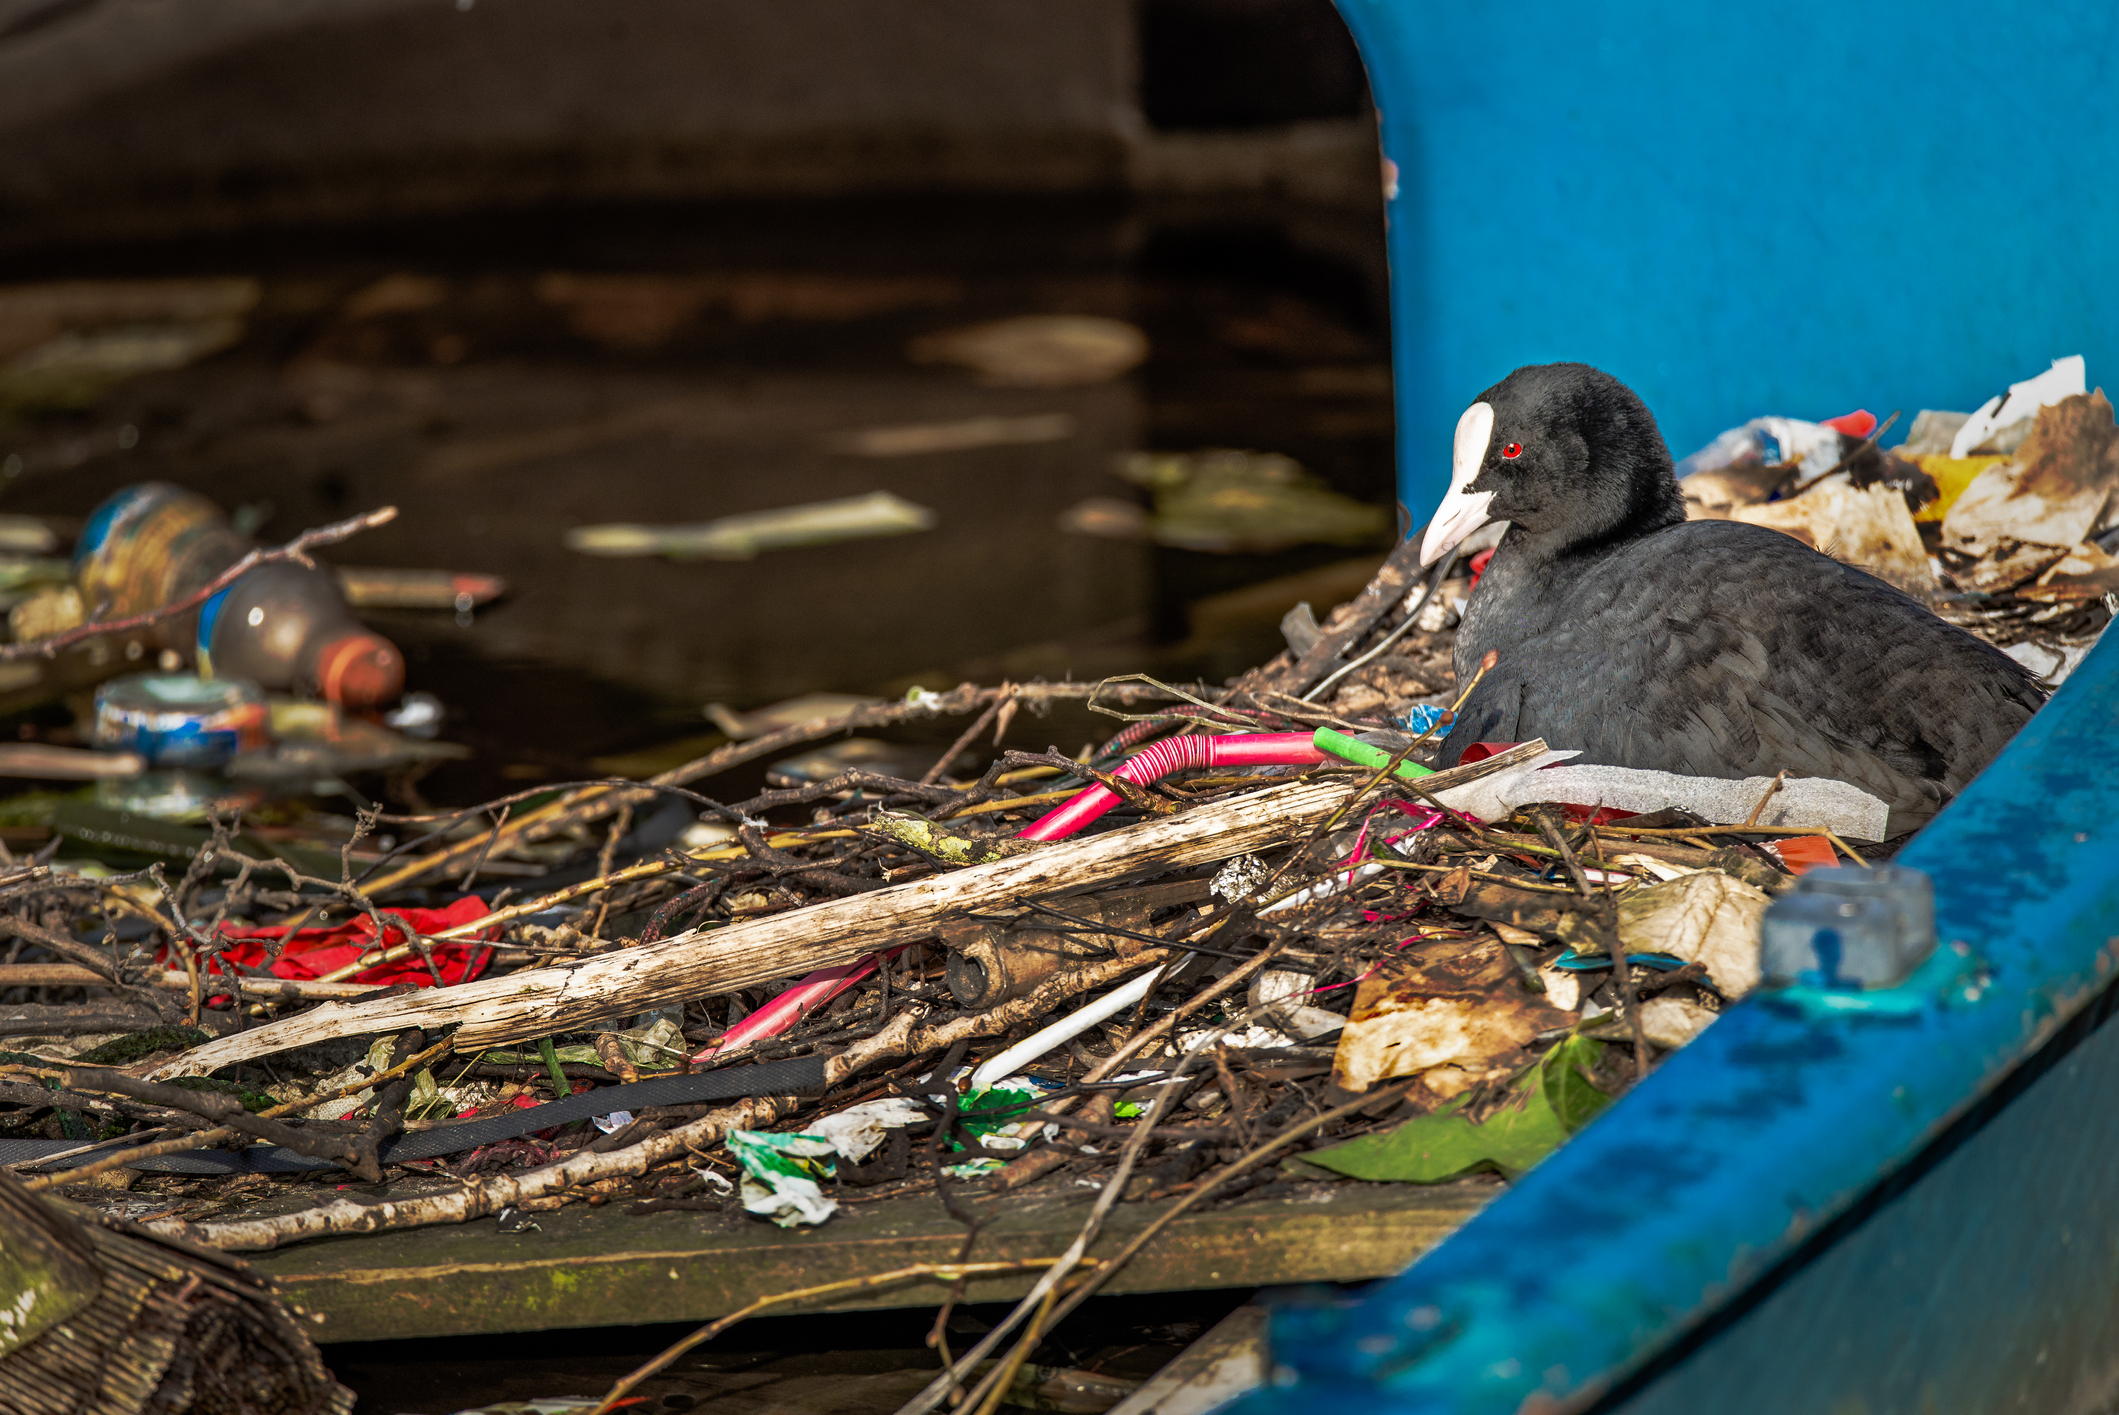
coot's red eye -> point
(1512, 451)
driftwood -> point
(576, 995)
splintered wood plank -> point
(601, 1267)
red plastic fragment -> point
(1598, 816)
(1807, 852)
(1859, 423)
(1480, 751)
(1478, 568)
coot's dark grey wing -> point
(1719, 649)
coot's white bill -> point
(1463, 510)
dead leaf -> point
(1706, 918)
(1458, 1005)
(2019, 517)
(2084, 573)
(1865, 527)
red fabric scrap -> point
(312, 953)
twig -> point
(1041, 1291)
(121, 1158)
(230, 1112)
(954, 1271)
(1865, 445)
(295, 550)
(1434, 585)
(594, 802)
(1772, 788)
(1082, 1291)
(956, 748)
(1567, 857)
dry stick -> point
(485, 850)
(594, 802)
(72, 975)
(339, 1149)
(574, 995)
(1531, 885)
(1085, 1289)
(1019, 1172)
(1397, 573)
(904, 1036)
(142, 1138)
(954, 1271)
(80, 953)
(647, 869)
(1041, 1291)
(295, 550)
(619, 827)
(1412, 617)
(956, 749)
(202, 1139)
(1082, 1290)
(1772, 788)
(1567, 857)
(485, 1193)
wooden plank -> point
(589, 1267)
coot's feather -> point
(1711, 648)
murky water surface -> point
(504, 379)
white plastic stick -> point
(1057, 1035)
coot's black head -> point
(1569, 456)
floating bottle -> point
(283, 626)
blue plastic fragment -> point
(1575, 962)
(1421, 717)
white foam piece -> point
(1805, 802)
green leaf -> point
(1551, 1102)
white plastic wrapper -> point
(857, 1131)
(1807, 802)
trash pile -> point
(1253, 945)
(2006, 519)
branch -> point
(296, 550)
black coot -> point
(1710, 648)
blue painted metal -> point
(1742, 209)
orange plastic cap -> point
(360, 671)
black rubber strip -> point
(795, 1076)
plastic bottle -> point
(283, 626)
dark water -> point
(719, 381)
(848, 1363)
